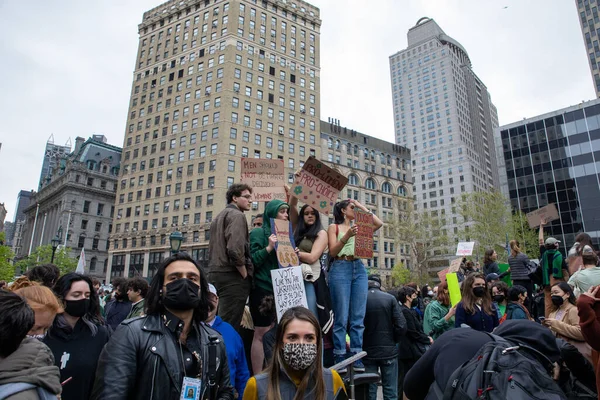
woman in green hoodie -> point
(262, 245)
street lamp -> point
(55, 242)
(175, 239)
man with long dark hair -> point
(230, 265)
(170, 349)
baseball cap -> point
(492, 277)
(587, 250)
(212, 289)
(551, 241)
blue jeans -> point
(348, 287)
(311, 297)
(389, 377)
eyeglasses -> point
(247, 196)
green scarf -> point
(557, 263)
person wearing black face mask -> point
(500, 299)
(476, 308)
(415, 343)
(77, 336)
(167, 351)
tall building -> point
(9, 231)
(213, 82)
(52, 156)
(555, 158)
(77, 203)
(443, 113)
(379, 176)
(23, 201)
(588, 18)
(2, 216)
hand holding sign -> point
(363, 242)
(318, 185)
(284, 243)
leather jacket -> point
(140, 362)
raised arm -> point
(378, 222)
(541, 232)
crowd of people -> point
(196, 334)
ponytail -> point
(514, 248)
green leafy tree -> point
(427, 240)
(400, 274)
(43, 255)
(489, 222)
(7, 270)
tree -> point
(400, 274)
(43, 255)
(7, 270)
(489, 222)
(427, 241)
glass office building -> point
(555, 158)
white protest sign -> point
(465, 248)
(288, 288)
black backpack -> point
(501, 371)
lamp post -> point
(55, 242)
(175, 240)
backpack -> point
(10, 389)
(500, 370)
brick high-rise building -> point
(214, 81)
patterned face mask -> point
(299, 356)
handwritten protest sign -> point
(318, 185)
(549, 213)
(265, 177)
(455, 265)
(442, 274)
(288, 288)
(286, 256)
(465, 248)
(363, 241)
(453, 288)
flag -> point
(81, 264)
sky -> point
(67, 66)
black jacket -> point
(116, 311)
(414, 343)
(141, 362)
(384, 325)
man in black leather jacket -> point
(167, 351)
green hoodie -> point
(264, 262)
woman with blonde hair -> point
(42, 301)
(519, 269)
(296, 369)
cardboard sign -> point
(363, 241)
(549, 213)
(288, 289)
(442, 274)
(318, 185)
(284, 248)
(465, 248)
(266, 177)
(455, 265)
(453, 288)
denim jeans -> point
(348, 287)
(311, 297)
(388, 370)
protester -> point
(257, 221)
(588, 309)
(439, 315)
(296, 370)
(516, 308)
(490, 264)
(236, 356)
(167, 351)
(490, 279)
(77, 336)
(574, 260)
(500, 299)
(563, 320)
(426, 296)
(519, 268)
(415, 343)
(347, 281)
(588, 275)
(311, 239)
(46, 274)
(385, 325)
(419, 307)
(27, 370)
(476, 309)
(120, 306)
(230, 268)
(458, 346)
(554, 266)
(264, 258)
(137, 289)
(42, 301)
